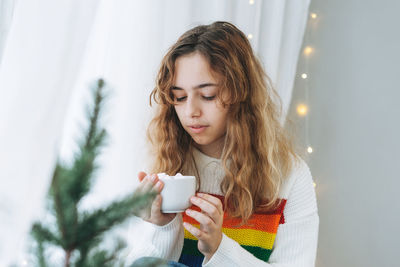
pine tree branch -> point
(101, 220)
(70, 185)
(83, 231)
(94, 115)
(82, 171)
(40, 233)
(104, 258)
(62, 206)
(41, 258)
(84, 165)
(67, 258)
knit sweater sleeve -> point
(296, 240)
(164, 242)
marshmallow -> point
(163, 175)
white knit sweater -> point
(295, 243)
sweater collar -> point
(202, 159)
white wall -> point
(354, 128)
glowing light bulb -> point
(302, 109)
(308, 50)
(251, 2)
(250, 36)
(309, 149)
(304, 76)
(314, 184)
(313, 15)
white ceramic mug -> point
(176, 193)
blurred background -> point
(335, 65)
(353, 126)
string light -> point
(308, 50)
(24, 263)
(313, 15)
(250, 36)
(251, 2)
(302, 109)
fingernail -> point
(153, 177)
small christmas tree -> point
(79, 233)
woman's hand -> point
(153, 214)
(210, 219)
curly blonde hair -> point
(258, 154)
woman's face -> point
(200, 112)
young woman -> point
(218, 119)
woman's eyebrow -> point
(196, 87)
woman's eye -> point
(179, 99)
(209, 98)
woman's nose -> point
(193, 108)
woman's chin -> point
(200, 141)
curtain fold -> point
(55, 49)
(40, 64)
(6, 13)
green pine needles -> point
(77, 232)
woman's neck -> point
(212, 150)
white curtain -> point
(54, 50)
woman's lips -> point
(197, 129)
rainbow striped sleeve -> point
(257, 236)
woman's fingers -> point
(153, 214)
(202, 218)
(210, 218)
(214, 200)
(156, 207)
(158, 186)
(141, 176)
(194, 231)
(148, 183)
(213, 211)
(145, 186)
